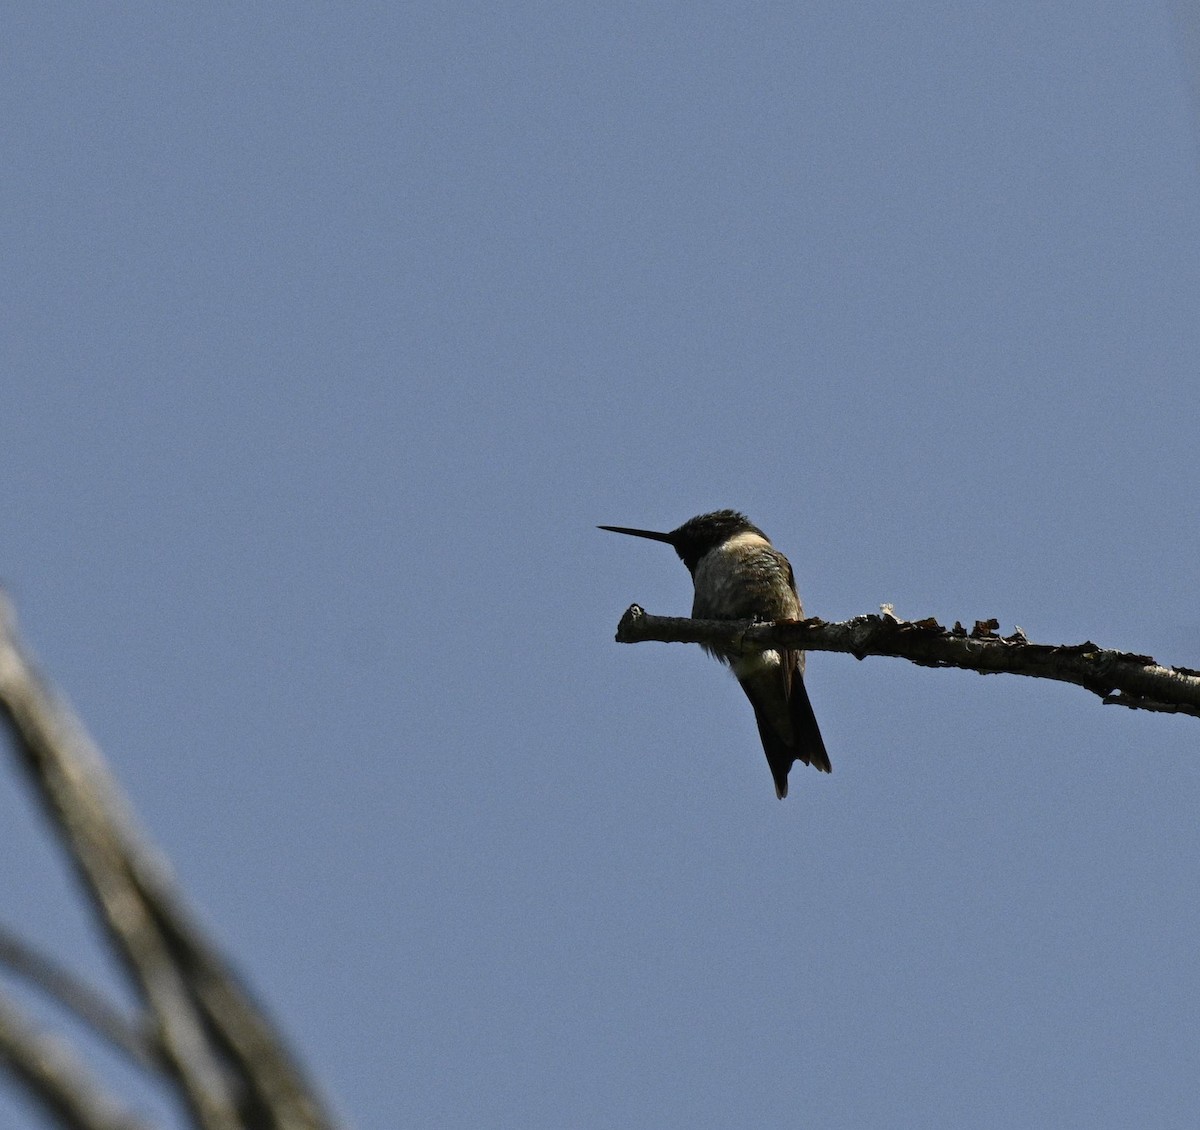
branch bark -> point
(1118, 678)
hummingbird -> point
(739, 575)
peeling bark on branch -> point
(1119, 678)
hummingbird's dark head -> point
(698, 535)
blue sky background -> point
(329, 335)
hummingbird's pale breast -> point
(745, 578)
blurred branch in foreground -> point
(212, 1044)
(1117, 677)
(59, 1083)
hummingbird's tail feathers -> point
(806, 744)
(810, 747)
(780, 758)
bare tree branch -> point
(51, 1075)
(1121, 678)
(89, 1005)
(220, 1050)
(96, 827)
(275, 1093)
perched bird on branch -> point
(739, 575)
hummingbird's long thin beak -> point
(653, 535)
